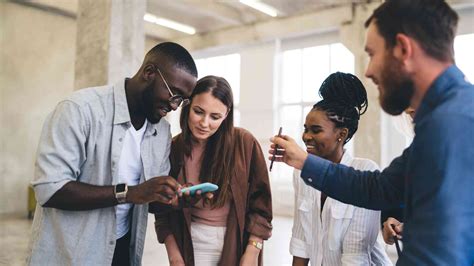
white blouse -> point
(342, 234)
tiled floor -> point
(14, 234)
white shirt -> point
(342, 234)
(129, 172)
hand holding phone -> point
(204, 187)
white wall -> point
(36, 72)
(37, 59)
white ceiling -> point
(204, 15)
(209, 16)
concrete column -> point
(110, 41)
(367, 141)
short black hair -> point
(344, 100)
(431, 22)
(177, 54)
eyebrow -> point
(313, 127)
(197, 106)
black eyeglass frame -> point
(175, 99)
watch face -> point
(120, 188)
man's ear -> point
(403, 49)
(149, 72)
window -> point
(226, 66)
(463, 54)
(303, 71)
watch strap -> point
(256, 244)
(120, 191)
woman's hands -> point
(186, 199)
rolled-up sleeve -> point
(61, 150)
(162, 225)
(259, 215)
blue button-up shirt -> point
(434, 177)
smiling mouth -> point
(310, 147)
(163, 111)
(202, 130)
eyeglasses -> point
(175, 99)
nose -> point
(369, 72)
(204, 121)
(305, 137)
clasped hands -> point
(165, 190)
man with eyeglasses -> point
(102, 156)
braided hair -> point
(344, 100)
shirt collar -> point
(441, 85)
(121, 113)
(346, 158)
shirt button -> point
(111, 242)
(120, 139)
(310, 180)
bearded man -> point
(410, 45)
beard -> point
(397, 87)
(148, 107)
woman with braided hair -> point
(326, 231)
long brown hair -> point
(218, 161)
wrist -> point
(131, 194)
(254, 247)
(302, 161)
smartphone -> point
(204, 187)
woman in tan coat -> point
(229, 228)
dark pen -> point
(395, 239)
(276, 148)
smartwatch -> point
(121, 193)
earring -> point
(339, 140)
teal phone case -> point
(204, 187)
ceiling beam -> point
(315, 22)
(62, 9)
(215, 10)
(160, 32)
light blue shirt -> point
(434, 177)
(82, 141)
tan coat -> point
(250, 208)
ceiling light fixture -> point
(169, 24)
(262, 7)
